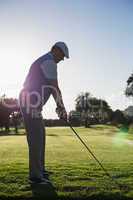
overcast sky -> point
(99, 34)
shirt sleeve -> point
(49, 69)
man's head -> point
(59, 51)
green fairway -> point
(73, 172)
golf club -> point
(88, 149)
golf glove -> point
(61, 112)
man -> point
(39, 84)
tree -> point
(128, 113)
(82, 101)
(130, 79)
(118, 117)
(74, 118)
(83, 106)
(7, 107)
(129, 92)
(92, 110)
(129, 89)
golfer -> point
(40, 83)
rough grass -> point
(73, 172)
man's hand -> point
(61, 112)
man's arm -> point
(60, 110)
(56, 92)
(49, 69)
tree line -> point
(91, 110)
(88, 110)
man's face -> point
(58, 55)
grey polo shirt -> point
(49, 69)
(38, 79)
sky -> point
(97, 32)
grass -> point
(73, 172)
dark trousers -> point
(35, 132)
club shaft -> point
(90, 151)
(106, 172)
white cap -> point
(63, 47)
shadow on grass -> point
(44, 192)
(99, 197)
(11, 133)
(55, 135)
(107, 127)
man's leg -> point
(35, 139)
(43, 162)
(43, 148)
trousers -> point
(36, 136)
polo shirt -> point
(38, 78)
